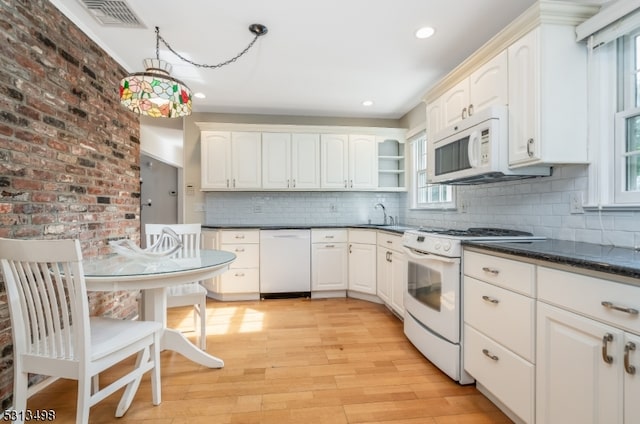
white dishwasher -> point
(285, 263)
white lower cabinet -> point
(362, 261)
(587, 349)
(499, 330)
(242, 280)
(329, 262)
(392, 271)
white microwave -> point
(476, 151)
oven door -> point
(433, 293)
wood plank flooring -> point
(297, 361)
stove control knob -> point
(447, 246)
(437, 245)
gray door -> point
(158, 193)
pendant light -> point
(156, 93)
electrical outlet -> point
(257, 209)
(575, 203)
(333, 207)
(464, 206)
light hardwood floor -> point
(293, 361)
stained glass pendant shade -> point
(155, 92)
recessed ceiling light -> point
(425, 32)
(199, 95)
(367, 103)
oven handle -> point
(417, 254)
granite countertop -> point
(619, 261)
(399, 229)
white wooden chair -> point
(53, 334)
(192, 294)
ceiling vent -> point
(112, 13)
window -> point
(614, 106)
(425, 195)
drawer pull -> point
(239, 236)
(239, 274)
(490, 299)
(605, 355)
(610, 305)
(489, 355)
(491, 270)
(629, 347)
(329, 237)
(329, 245)
(239, 249)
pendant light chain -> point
(201, 65)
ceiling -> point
(320, 58)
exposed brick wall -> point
(69, 153)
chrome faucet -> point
(384, 211)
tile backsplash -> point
(541, 206)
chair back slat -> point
(51, 299)
(189, 234)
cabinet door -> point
(362, 268)
(574, 383)
(383, 279)
(333, 160)
(632, 381)
(246, 160)
(454, 102)
(363, 162)
(305, 161)
(399, 271)
(276, 160)
(488, 85)
(215, 151)
(435, 119)
(329, 270)
(524, 101)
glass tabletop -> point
(115, 265)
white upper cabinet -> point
(547, 98)
(485, 87)
(230, 160)
(349, 162)
(301, 157)
(290, 161)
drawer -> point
(240, 281)
(505, 316)
(584, 295)
(510, 274)
(328, 236)
(247, 255)
(507, 376)
(240, 236)
(389, 241)
(362, 236)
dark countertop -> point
(399, 229)
(618, 261)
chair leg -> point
(84, 399)
(203, 324)
(20, 384)
(156, 386)
(131, 388)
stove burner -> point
(477, 232)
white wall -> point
(162, 139)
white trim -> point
(321, 129)
(607, 16)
